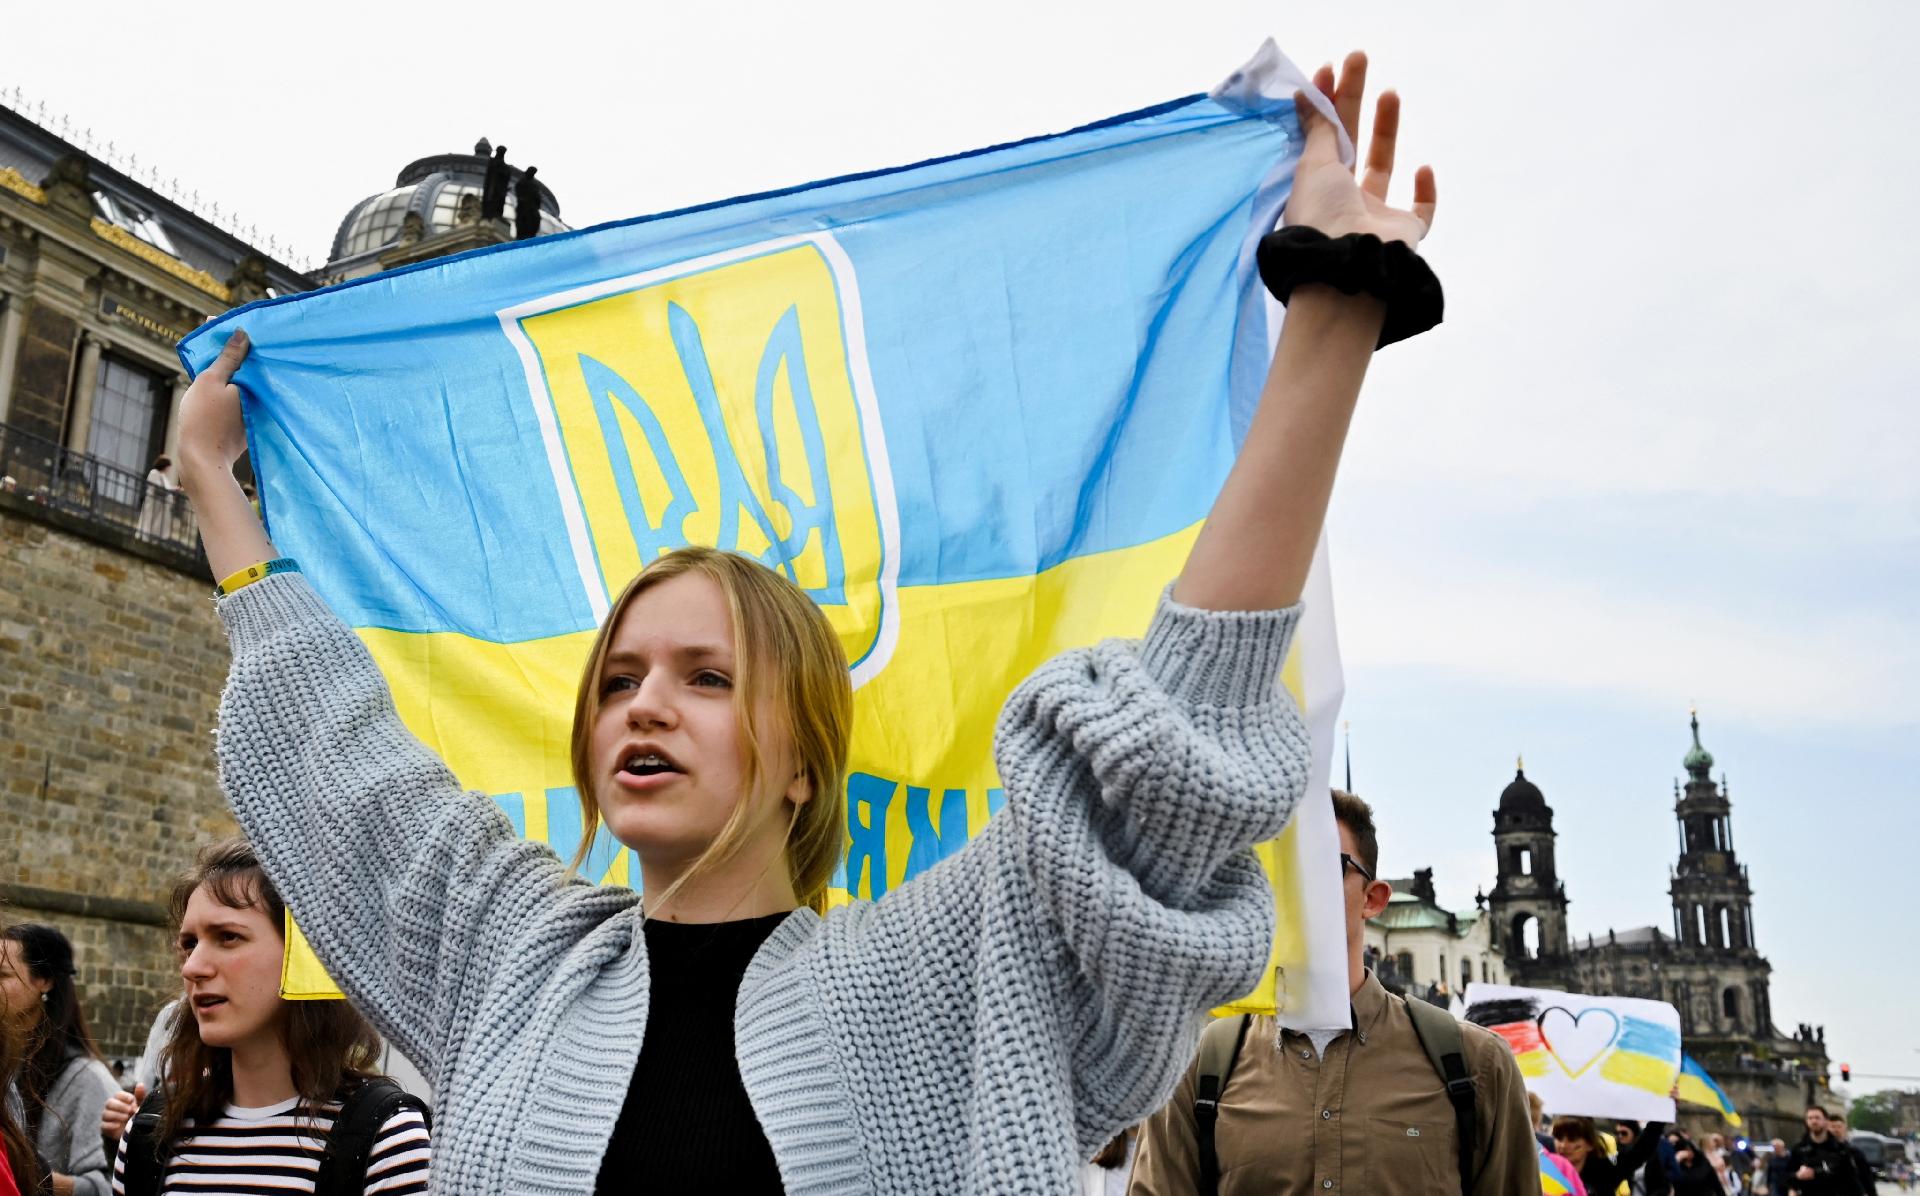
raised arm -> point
(212, 437)
(1258, 542)
(417, 895)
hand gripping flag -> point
(976, 408)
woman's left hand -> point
(1326, 196)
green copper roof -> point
(1698, 760)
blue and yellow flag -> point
(1556, 1174)
(976, 407)
(1698, 1088)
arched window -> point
(1526, 936)
(1466, 973)
(1700, 925)
(1730, 1005)
(1404, 964)
(1526, 861)
(1726, 927)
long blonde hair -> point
(784, 643)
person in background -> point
(1779, 1168)
(158, 499)
(1107, 1174)
(19, 1168)
(62, 1080)
(1823, 1164)
(1538, 1108)
(1650, 1179)
(255, 1085)
(1725, 1173)
(1360, 1110)
(1579, 1141)
(1862, 1170)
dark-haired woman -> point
(63, 1082)
(255, 1082)
(18, 1167)
(1578, 1140)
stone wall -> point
(110, 673)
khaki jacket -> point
(1370, 1116)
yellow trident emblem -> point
(722, 401)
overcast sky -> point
(1662, 452)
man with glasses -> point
(1331, 1111)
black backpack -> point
(1439, 1036)
(343, 1165)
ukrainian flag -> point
(1556, 1178)
(1698, 1088)
(976, 407)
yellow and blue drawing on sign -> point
(976, 407)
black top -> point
(687, 1125)
(1834, 1171)
(1603, 1175)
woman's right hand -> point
(121, 1107)
(212, 433)
(212, 437)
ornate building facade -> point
(1707, 964)
(1419, 948)
(111, 656)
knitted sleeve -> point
(417, 896)
(1055, 970)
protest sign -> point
(1588, 1056)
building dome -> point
(430, 188)
(1698, 760)
(1522, 796)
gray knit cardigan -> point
(982, 1029)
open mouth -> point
(648, 764)
(206, 1001)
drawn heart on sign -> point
(1578, 1041)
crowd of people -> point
(1013, 1020)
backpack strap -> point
(1219, 1048)
(141, 1174)
(370, 1105)
(1440, 1037)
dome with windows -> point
(431, 188)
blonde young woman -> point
(986, 1027)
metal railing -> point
(96, 492)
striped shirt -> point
(276, 1151)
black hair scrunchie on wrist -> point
(1388, 270)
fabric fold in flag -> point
(1698, 1088)
(976, 408)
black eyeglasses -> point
(1347, 861)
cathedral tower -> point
(1528, 904)
(1713, 906)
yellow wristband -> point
(253, 573)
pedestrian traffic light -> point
(1846, 1073)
